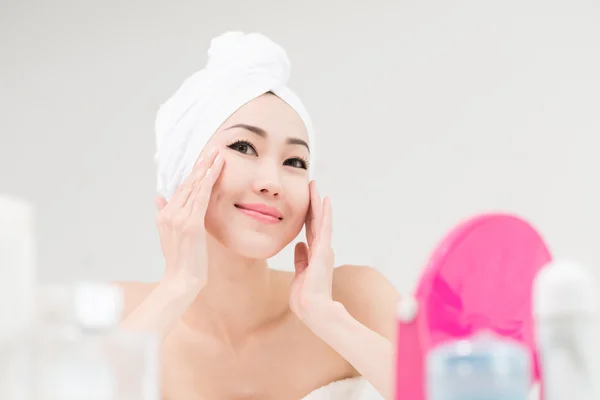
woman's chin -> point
(255, 245)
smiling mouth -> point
(258, 215)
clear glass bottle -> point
(57, 360)
(80, 352)
(484, 367)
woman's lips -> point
(261, 212)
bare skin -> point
(283, 359)
(231, 327)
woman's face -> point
(259, 203)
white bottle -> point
(565, 315)
(17, 266)
(67, 365)
(134, 356)
(88, 357)
(17, 293)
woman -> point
(232, 328)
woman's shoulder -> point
(360, 283)
(367, 295)
(134, 293)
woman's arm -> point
(161, 308)
(360, 324)
(352, 309)
(183, 240)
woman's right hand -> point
(183, 240)
(181, 223)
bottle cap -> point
(407, 309)
(98, 304)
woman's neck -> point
(240, 298)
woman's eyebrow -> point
(262, 133)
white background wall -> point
(427, 112)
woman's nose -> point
(268, 182)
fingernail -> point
(212, 151)
(208, 171)
(218, 158)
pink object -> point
(479, 277)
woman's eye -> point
(244, 148)
(296, 163)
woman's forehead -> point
(270, 114)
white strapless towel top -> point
(345, 389)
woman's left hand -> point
(311, 288)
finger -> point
(316, 210)
(203, 159)
(201, 196)
(181, 197)
(300, 257)
(326, 224)
(308, 225)
(160, 203)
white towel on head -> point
(240, 68)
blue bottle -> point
(483, 367)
